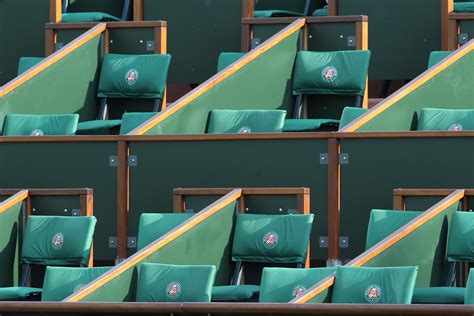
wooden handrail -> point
(245, 191)
(309, 20)
(13, 200)
(429, 192)
(447, 7)
(110, 25)
(48, 192)
(156, 245)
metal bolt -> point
(65, 210)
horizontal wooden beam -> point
(110, 25)
(461, 16)
(245, 191)
(13, 200)
(49, 192)
(309, 20)
(429, 192)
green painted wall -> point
(10, 226)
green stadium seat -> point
(439, 295)
(281, 12)
(446, 120)
(309, 125)
(175, 283)
(27, 63)
(246, 121)
(40, 125)
(436, 57)
(469, 297)
(19, 293)
(130, 121)
(60, 282)
(78, 17)
(361, 285)
(321, 12)
(227, 59)
(349, 114)
(464, 7)
(281, 285)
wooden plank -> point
(245, 191)
(248, 7)
(123, 183)
(453, 34)
(48, 192)
(138, 10)
(461, 16)
(334, 198)
(399, 203)
(110, 25)
(447, 7)
(50, 39)
(333, 7)
(55, 10)
(429, 192)
(13, 200)
(309, 19)
(178, 203)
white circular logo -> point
(456, 128)
(329, 73)
(270, 240)
(173, 290)
(373, 293)
(244, 130)
(79, 287)
(131, 77)
(58, 241)
(37, 132)
(298, 290)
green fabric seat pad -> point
(227, 59)
(382, 223)
(464, 7)
(349, 114)
(87, 17)
(302, 125)
(58, 240)
(246, 121)
(60, 282)
(469, 297)
(439, 295)
(153, 226)
(17, 293)
(172, 283)
(271, 238)
(97, 124)
(461, 237)
(40, 125)
(436, 57)
(445, 120)
(234, 293)
(26, 63)
(281, 285)
(339, 73)
(321, 12)
(130, 121)
(134, 76)
(359, 285)
(275, 13)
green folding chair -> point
(40, 125)
(26, 63)
(436, 57)
(349, 114)
(464, 7)
(78, 17)
(274, 12)
(246, 121)
(226, 59)
(446, 120)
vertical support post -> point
(303, 206)
(247, 12)
(362, 43)
(242, 204)
(106, 40)
(86, 208)
(123, 176)
(399, 202)
(138, 10)
(332, 7)
(447, 7)
(453, 34)
(28, 207)
(334, 199)
(161, 47)
(55, 11)
(50, 42)
(179, 204)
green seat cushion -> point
(227, 59)
(281, 285)
(40, 125)
(464, 7)
(321, 12)
(58, 240)
(246, 121)
(17, 293)
(304, 125)
(436, 57)
(130, 121)
(339, 72)
(275, 13)
(88, 126)
(439, 295)
(153, 226)
(234, 293)
(87, 17)
(445, 120)
(271, 238)
(461, 237)
(26, 63)
(382, 223)
(469, 297)
(134, 76)
(60, 282)
(173, 283)
(359, 285)
(349, 114)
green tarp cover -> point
(26, 63)
(271, 238)
(87, 17)
(303, 125)
(446, 120)
(275, 13)
(227, 59)
(359, 285)
(436, 57)
(134, 76)
(469, 298)
(40, 125)
(60, 282)
(246, 121)
(58, 240)
(281, 285)
(321, 12)
(349, 114)
(464, 7)
(382, 223)
(173, 283)
(439, 295)
(153, 226)
(461, 237)
(340, 72)
(130, 121)
(17, 293)
(234, 293)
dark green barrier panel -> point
(61, 205)
(66, 165)
(198, 31)
(21, 33)
(466, 29)
(377, 166)
(112, 7)
(399, 39)
(10, 226)
(421, 202)
(163, 166)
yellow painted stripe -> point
(13, 200)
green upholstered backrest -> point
(134, 76)
(464, 7)
(130, 121)
(446, 120)
(339, 72)
(60, 282)
(78, 17)
(388, 285)
(436, 57)
(469, 298)
(226, 59)
(271, 238)
(26, 63)
(382, 223)
(281, 285)
(246, 121)
(40, 125)
(175, 283)
(461, 237)
(153, 226)
(58, 240)
(349, 114)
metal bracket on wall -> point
(344, 158)
(150, 46)
(254, 42)
(351, 41)
(113, 162)
(323, 241)
(343, 242)
(132, 161)
(75, 212)
(112, 242)
(132, 242)
(323, 159)
(58, 45)
(463, 38)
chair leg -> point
(385, 88)
(298, 106)
(451, 274)
(237, 273)
(25, 275)
(306, 7)
(103, 110)
(126, 7)
(65, 4)
(358, 101)
(158, 105)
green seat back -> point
(60, 282)
(153, 226)
(337, 73)
(281, 285)
(436, 57)
(349, 114)
(461, 237)
(271, 238)
(18, 293)
(246, 121)
(275, 13)
(439, 295)
(173, 283)
(79, 17)
(130, 121)
(40, 125)
(464, 7)
(235, 293)
(469, 298)
(359, 285)
(446, 120)
(134, 76)
(58, 240)
(227, 59)
(308, 125)
(321, 12)
(27, 63)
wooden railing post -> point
(247, 12)
(55, 11)
(453, 34)
(332, 8)
(362, 43)
(122, 199)
(334, 201)
(179, 204)
(447, 7)
(138, 10)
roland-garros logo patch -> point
(456, 128)
(37, 132)
(373, 293)
(245, 130)
(58, 241)
(131, 77)
(173, 290)
(270, 240)
(329, 73)
(298, 290)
